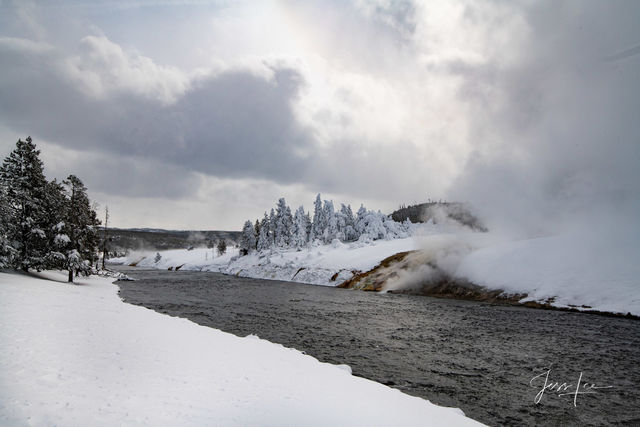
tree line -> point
(282, 229)
(44, 224)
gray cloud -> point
(235, 124)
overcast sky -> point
(200, 114)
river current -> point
(489, 360)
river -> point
(476, 356)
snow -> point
(574, 270)
(78, 355)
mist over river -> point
(491, 361)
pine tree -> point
(360, 224)
(56, 207)
(309, 224)
(81, 226)
(283, 224)
(287, 222)
(264, 240)
(221, 247)
(349, 223)
(256, 228)
(331, 224)
(272, 226)
(319, 222)
(24, 184)
(6, 251)
(248, 239)
(300, 237)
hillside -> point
(439, 212)
(133, 239)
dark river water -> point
(475, 356)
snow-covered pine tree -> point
(360, 224)
(272, 226)
(288, 226)
(319, 223)
(309, 224)
(256, 229)
(283, 230)
(81, 227)
(331, 227)
(5, 248)
(349, 223)
(264, 240)
(56, 207)
(300, 237)
(22, 178)
(248, 238)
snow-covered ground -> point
(569, 270)
(574, 270)
(317, 265)
(77, 355)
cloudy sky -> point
(200, 114)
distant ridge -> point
(121, 240)
(438, 211)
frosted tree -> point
(331, 227)
(248, 238)
(256, 229)
(6, 250)
(284, 223)
(272, 226)
(360, 224)
(319, 222)
(24, 184)
(300, 236)
(347, 218)
(287, 221)
(309, 224)
(264, 240)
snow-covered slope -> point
(78, 355)
(571, 270)
(316, 265)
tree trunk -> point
(71, 275)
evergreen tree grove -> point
(44, 225)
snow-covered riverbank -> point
(565, 271)
(78, 355)
(322, 265)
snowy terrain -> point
(579, 271)
(319, 265)
(569, 270)
(78, 355)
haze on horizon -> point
(201, 114)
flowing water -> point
(475, 356)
